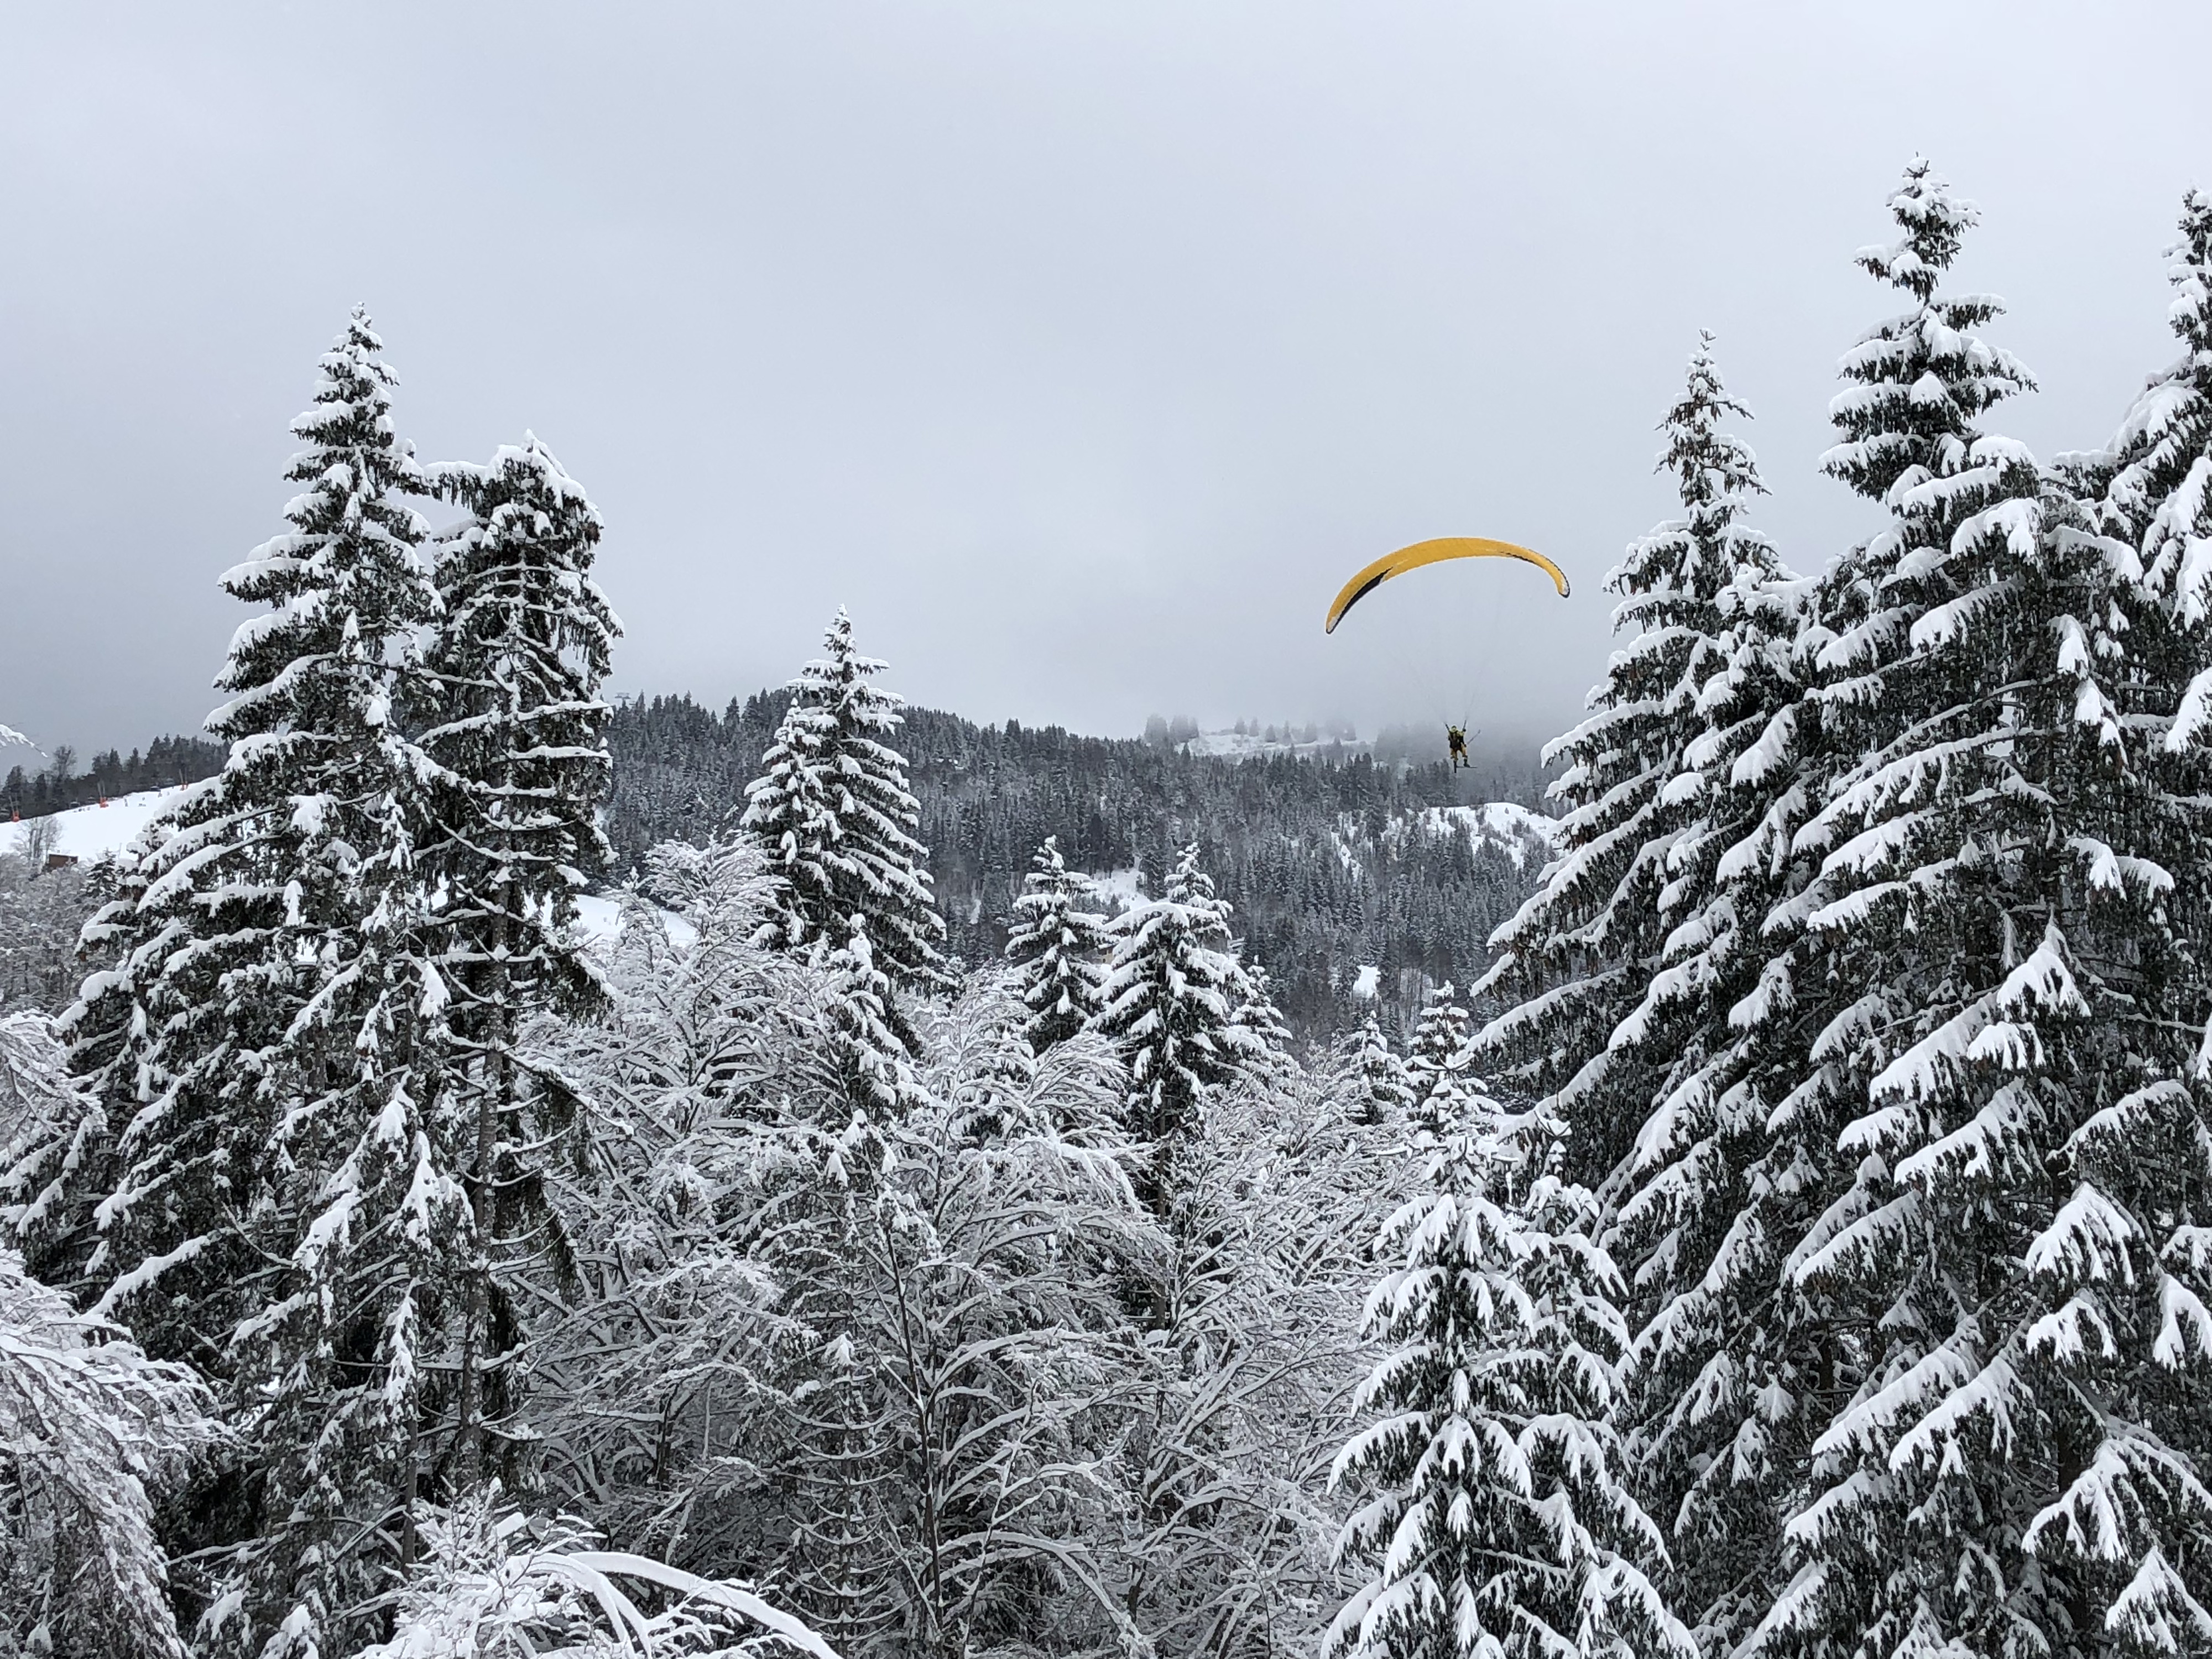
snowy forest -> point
(1775, 1221)
(1335, 860)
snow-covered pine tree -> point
(2157, 480)
(1704, 1196)
(1172, 997)
(1383, 1088)
(871, 1053)
(2008, 994)
(1267, 1033)
(1579, 957)
(834, 811)
(839, 1563)
(285, 1219)
(518, 731)
(1496, 1516)
(1437, 1066)
(1058, 948)
(2159, 501)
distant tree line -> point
(1303, 848)
(58, 785)
(1314, 855)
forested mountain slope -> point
(1332, 862)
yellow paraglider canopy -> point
(1435, 552)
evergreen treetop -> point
(2156, 481)
(1438, 1065)
(270, 1042)
(1172, 994)
(1920, 380)
(1385, 1086)
(1058, 949)
(834, 812)
(516, 725)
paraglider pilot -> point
(1455, 736)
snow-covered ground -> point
(85, 833)
(1119, 890)
(1251, 745)
(599, 919)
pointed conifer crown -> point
(1920, 380)
(350, 421)
(1672, 577)
(1708, 464)
(841, 680)
(352, 543)
(2190, 274)
(1935, 223)
(1047, 864)
(2167, 432)
(540, 485)
(1187, 883)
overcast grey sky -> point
(1080, 349)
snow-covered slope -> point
(1242, 745)
(1518, 832)
(86, 833)
(1119, 890)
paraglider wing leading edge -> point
(1435, 552)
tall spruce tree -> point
(832, 809)
(518, 731)
(284, 1217)
(2002, 993)
(2159, 501)
(1171, 999)
(1058, 949)
(1496, 1516)
(1699, 1397)
(1580, 956)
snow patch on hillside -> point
(1119, 890)
(599, 920)
(1251, 745)
(1520, 832)
(87, 833)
